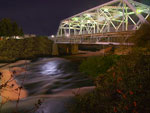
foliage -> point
(94, 102)
(9, 28)
(142, 36)
(126, 87)
(96, 65)
(13, 49)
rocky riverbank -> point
(10, 88)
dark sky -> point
(42, 17)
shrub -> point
(11, 50)
(94, 66)
(124, 89)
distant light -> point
(52, 36)
(17, 37)
(67, 35)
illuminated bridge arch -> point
(114, 16)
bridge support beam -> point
(55, 50)
(64, 49)
(74, 48)
(68, 49)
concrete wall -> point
(64, 49)
(55, 49)
(74, 49)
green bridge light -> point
(75, 19)
(138, 11)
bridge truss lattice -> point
(114, 16)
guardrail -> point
(115, 38)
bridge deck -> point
(124, 33)
(114, 38)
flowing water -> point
(46, 80)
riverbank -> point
(15, 64)
(82, 55)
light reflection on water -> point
(50, 68)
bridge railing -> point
(104, 38)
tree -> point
(16, 31)
(9, 28)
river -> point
(48, 82)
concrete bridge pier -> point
(55, 49)
(74, 48)
(62, 49)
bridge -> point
(114, 38)
(110, 23)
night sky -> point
(42, 17)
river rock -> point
(17, 70)
(11, 89)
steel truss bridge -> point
(110, 23)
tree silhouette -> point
(9, 28)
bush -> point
(94, 66)
(94, 102)
(11, 50)
(142, 36)
(124, 89)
